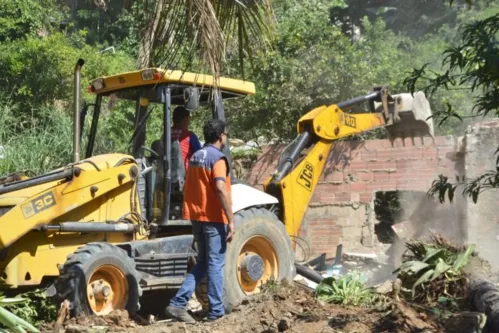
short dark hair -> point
(179, 114)
(212, 130)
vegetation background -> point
(321, 51)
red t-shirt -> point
(189, 143)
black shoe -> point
(211, 319)
(179, 314)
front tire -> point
(97, 279)
(260, 251)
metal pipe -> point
(358, 100)
(219, 113)
(76, 116)
(16, 186)
(167, 153)
(91, 227)
(301, 142)
(308, 273)
(93, 127)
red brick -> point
(403, 165)
(335, 188)
(341, 197)
(412, 185)
(358, 187)
(373, 187)
(384, 155)
(396, 175)
(406, 153)
(354, 155)
(381, 176)
(368, 155)
(357, 165)
(364, 176)
(382, 165)
(316, 197)
(372, 145)
(334, 176)
(430, 152)
(390, 185)
(432, 164)
(366, 197)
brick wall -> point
(341, 210)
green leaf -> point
(418, 266)
(422, 279)
(462, 259)
(440, 268)
(11, 301)
(432, 253)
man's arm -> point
(219, 175)
(194, 142)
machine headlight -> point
(98, 84)
(150, 74)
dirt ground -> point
(280, 309)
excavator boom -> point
(302, 162)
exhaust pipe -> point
(76, 114)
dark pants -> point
(212, 245)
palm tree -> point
(199, 30)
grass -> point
(34, 147)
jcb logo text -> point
(350, 121)
(306, 176)
(38, 204)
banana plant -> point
(429, 263)
(12, 322)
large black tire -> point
(250, 223)
(79, 268)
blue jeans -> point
(212, 245)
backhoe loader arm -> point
(302, 162)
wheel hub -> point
(107, 290)
(252, 268)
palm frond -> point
(184, 32)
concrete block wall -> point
(481, 142)
(342, 208)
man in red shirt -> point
(189, 142)
(208, 205)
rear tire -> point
(97, 279)
(258, 231)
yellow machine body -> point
(30, 254)
(405, 116)
(101, 189)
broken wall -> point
(480, 143)
(342, 208)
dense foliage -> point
(321, 52)
(470, 66)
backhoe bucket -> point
(410, 116)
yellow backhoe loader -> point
(102, 230)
